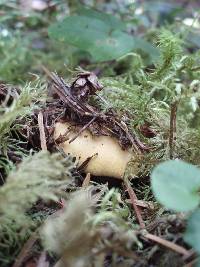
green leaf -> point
(111, 46)
(175, 185)
(99, 34)
(193, 39)
(93, 36)
(112, 21)
(146, 47)
(192, 234)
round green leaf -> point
(102, 36)
(175, 185)
(111, 46)
(79, 31)
(112, 21)
(192, 235)
(93, 36)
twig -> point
(59, 263)
(190, 256)
(125, 129)
(46, 71)
(86, 180)
(133, 199)
(63, 137)
(118, 249)
(84, 164)
(192, 263)
(42, 131)
(82, 129)
(26, 249)
(42, 262)
(142, 204)
(2, 180)
(172, 132)
(167, 244)
(124, 253)
(196, 68)
(63, 91)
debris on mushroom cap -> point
(106, 156)
(75, 102)
(101, 145)
(84, 85)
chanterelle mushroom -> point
(109, 159)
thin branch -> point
(192, 263)
(134, 199)
(42, 131)
(190, 256)
(143, 204)
(196, 68)
(86, 180)
(24, 253)
(172, 131)
(42, 262)
(82, 129)
(167, 244)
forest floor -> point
(99, 210)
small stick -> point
(125, 129)
(191, 255)
(192, 263)
(86, 180)
(196, 68)
(62, 137)
(167, 244)
(82, 129)
(42, 262)
(24, 253)
(172, 128)
(85, 162)
(142, 204)
(42, 131)
(59, 263)
(27, 247)
(133, 199)
(47, 72)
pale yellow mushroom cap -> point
(110, 159)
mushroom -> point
(107, 158)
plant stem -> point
(167, 244)
(42, 131)
(172, 131)
(134, 199)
